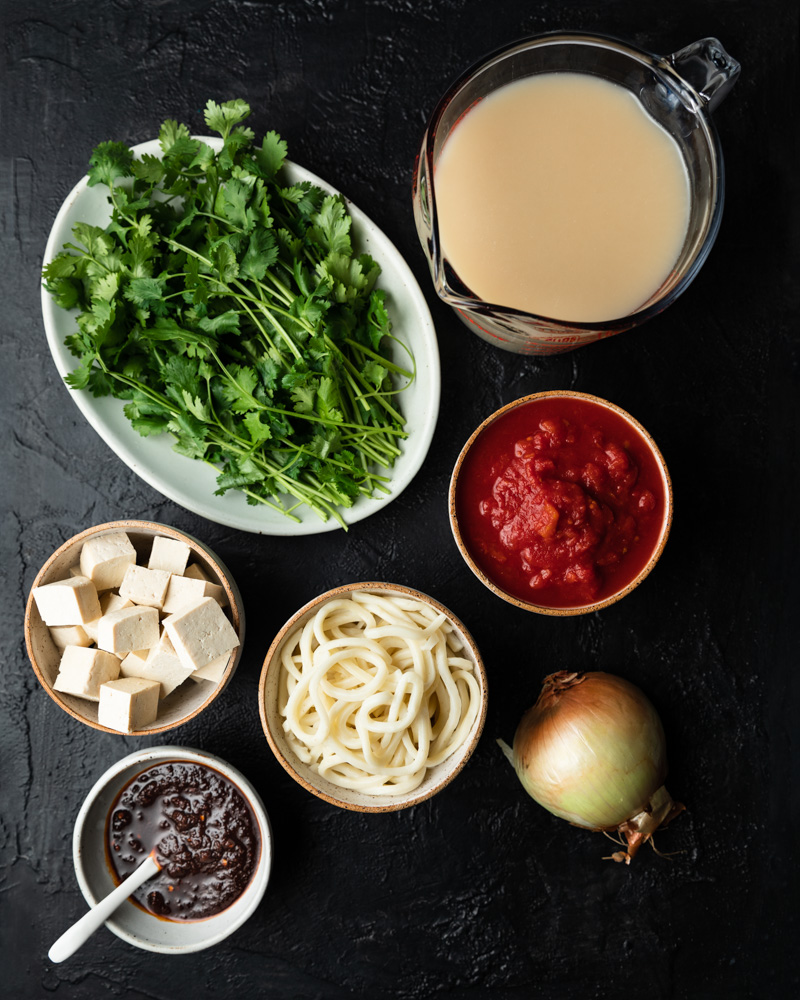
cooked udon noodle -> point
(373, 692)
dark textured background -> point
(478, 892)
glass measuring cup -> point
(678, 91)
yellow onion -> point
(592, 751)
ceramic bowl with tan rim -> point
(187, 700)
(560, 503)
(272, 698)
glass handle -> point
(708, 69)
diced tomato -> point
(560, 497)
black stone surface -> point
(478, 892)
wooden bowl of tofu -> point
(134, 627)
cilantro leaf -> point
(374, 373)
(260, 256)
(271, 156)
(145, 291)
(109, 162)
(170, 133)
(225, 262)
(259, 431)
(222, 117)
(181, 372)
(234, 205)
(96, 242)
(238, 389)
(227, 322)
(65, 291)
(331, 227)
(149, 169)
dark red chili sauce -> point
(204, 833)
(560, 502)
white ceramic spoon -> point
(82, 930)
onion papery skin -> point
(592, 751)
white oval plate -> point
(191, 483)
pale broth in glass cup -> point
(569, 108)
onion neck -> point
(659, 810)
(554, 685)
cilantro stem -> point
(286, 511)
(371, 476)
(286, 296)
(188, 250)
(260, 328)
(363, 349)
(268, 312)
(263, 500)
(311, 497)
(156, 397)
(373, 393)
(218, 218)
(282, 312)
(256, 404)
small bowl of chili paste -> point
(560, 503)
(207, 828)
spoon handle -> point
(82, 930)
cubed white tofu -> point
(104, 559)
(128, 629)
(212, 671)
(145, 586)
(128, 704)
(161, 665)
(200, 634)
(183, 592)
(82, 671)
(75, 570)
(67, 602)
(90, 628)
(109, 601)
(136, 658)
(196, 572)
(70, 635)
(164, 665)
(169, 554)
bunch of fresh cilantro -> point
(230, 310)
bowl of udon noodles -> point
(373, 696)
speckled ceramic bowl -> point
(130, 922)
(630, 584)
(272, 721)
(187, 700)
